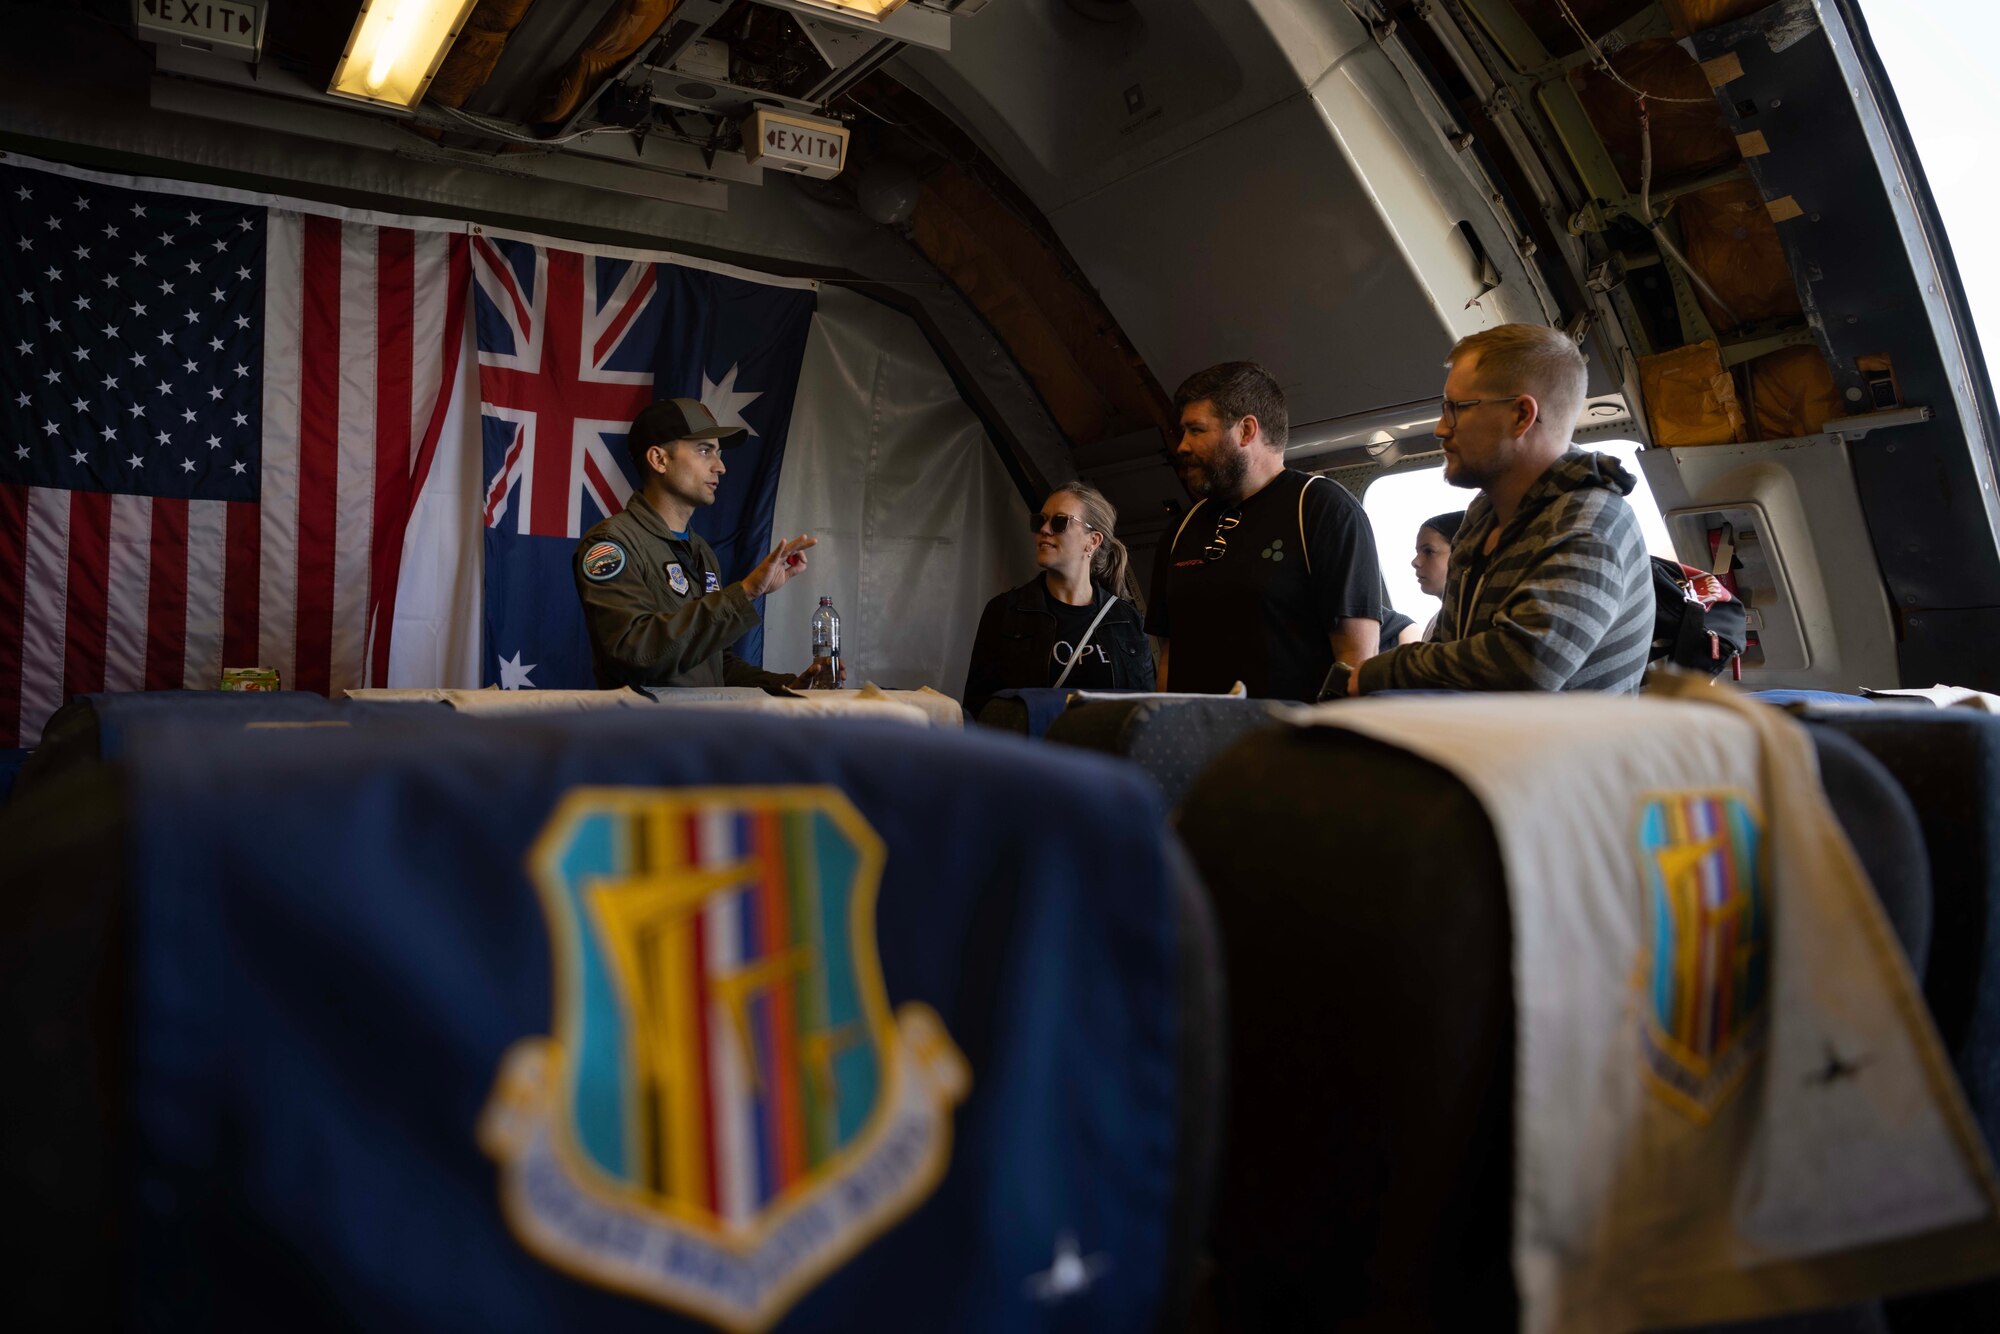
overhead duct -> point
(472, 58)
(618, 36)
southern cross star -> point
(514, 674)
(726, 403)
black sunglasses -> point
(1057, 523)
(1218, 546)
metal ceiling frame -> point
(1539, 86)
(690, 21)
(216, 88)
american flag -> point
(215, 412)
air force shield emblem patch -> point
(727, 1109)
(1704, 968)
(677, 577)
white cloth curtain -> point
(438, 608)
(917, 520)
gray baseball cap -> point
(669, 419)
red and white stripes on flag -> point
(102, 591)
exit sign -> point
(226, 27)
(795, 143)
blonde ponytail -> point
(1111, 563)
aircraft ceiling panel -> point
(1260, 243)
(1071, 95)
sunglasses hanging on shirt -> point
(1218, 546)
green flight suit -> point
(647, 626)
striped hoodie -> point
(1565, 602)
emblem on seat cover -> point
(1704, 967)
(727, 1110)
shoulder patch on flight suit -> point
(677, 577)
(603, 561)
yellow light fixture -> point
(395, 48)
(867, 9)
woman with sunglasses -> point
(1076, 624)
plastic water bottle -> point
(826, 643)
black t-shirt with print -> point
(1093, 669)
(1253, 613)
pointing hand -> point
(774, 570)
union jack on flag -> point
(571, 346)
(566, 346)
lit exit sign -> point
(226, 27)
(795, 143)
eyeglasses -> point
(1449, 408)
(1057, 523)
(1218, 546)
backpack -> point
(1697, 622)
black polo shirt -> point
(1253, 613)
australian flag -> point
(571, 346)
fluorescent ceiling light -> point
(865, 9)
(395, 48)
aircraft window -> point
(1933, 51)
(1399, 502)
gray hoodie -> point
(1565, 602)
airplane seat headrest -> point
(1364, 910)
(618, 1022)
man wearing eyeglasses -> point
(1549, 586)
(654, 603)
(1272, 576)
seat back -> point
(603, 1023)
(1364, 914)
(1027, 711)
(1172, 739)
(93, 727)
(1947, 762)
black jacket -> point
(1017, 632)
